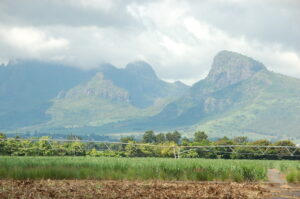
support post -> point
(174, 150)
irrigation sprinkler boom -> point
(181, 150)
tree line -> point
(170, 144)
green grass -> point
(293, 176)
(291, 170)
(139, 168)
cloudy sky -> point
(178, 38)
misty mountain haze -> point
(238, 97)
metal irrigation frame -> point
(178, 150)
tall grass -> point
(131, 169)
(293, 176)
(291, 169)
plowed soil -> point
(30, 189)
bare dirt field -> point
(41, 189)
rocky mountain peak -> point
(141, 68)
(98, 87)
(229, 68)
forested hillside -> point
(240, 96)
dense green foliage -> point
(119, 160)
(293, 175)
(142, 168)
(151, 145)
(129, 169)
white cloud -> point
(177, 48)
(31, 40)
(201, 30)
(179, 38)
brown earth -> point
(44, 189)
(41, 189)
(279, 188)
(275, 176)
(283, 191)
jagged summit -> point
(141, 68)
(230, 67)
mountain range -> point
(239, 96)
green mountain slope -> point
(26, 88)
(239, 96)
(270, 106)
(143, 86)
(112, 95)
(95, 103)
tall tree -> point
(2, 143)
(173, 137)
(149, 137)
(160, 138)
(240, 139)
(199, 136)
